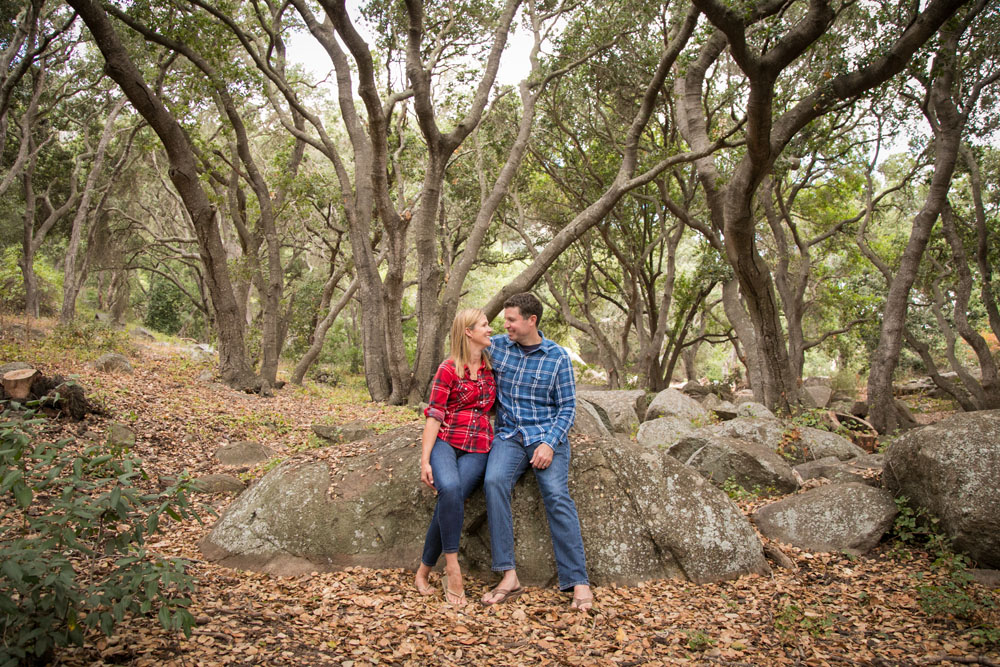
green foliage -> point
(792, 620)
(699, 641)
(72, 543)
(817, 418)
(166, 302)
(737, 491)
(12, 295)
(953, 594)
(92, 337)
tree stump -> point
(17, 384)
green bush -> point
(166, 301)
(92, 337)
(72, 535)
(12, 295)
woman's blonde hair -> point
(461, 353)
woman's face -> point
(480, 332)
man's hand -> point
(426, 474)
(542, 457)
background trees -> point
(670, 177)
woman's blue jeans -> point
(509, 459)
(456, 475)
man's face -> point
(519, 328)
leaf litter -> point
(833, 610)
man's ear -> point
(533, 319)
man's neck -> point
(531, 340)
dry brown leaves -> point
(832, 610)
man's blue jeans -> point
(508, 461)
(456, 475)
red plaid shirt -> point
(462, 406)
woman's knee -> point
(449, 493)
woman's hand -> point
(426, 474)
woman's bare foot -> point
(454, 588)
(420, 581)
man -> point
(536, 406)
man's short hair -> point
(527, 303)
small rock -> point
(754, 409)
(113, 363)
(218, 484)
(243, 453)
(120, 435)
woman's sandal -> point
(450, 596)
(504, 594)
(425, 590)
(579, 602)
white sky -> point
(305, 50)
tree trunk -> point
(71, 276)
(233, 365)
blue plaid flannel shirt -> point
(536, 393)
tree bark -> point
(71, 276)
(233, 365)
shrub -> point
(166, 301)
(72, 535)
(94, 337)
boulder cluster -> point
(652, 477)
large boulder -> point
(589, 421)
(672, 403)
(816, 395)
(662, 432)
(749, 464)
(848, 518)
(950, 469)
(797, 444)
(643, 516)
(622, 406)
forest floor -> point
(833, 609)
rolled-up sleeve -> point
(444, 380)
(565, 399)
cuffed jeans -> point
(456, 475)
(508, 460)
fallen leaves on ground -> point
(833, 610)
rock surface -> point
(218, 484)
(643, 516)
(243, 453)
(753, 409)
(588, 421)
(796, 444)
(349, 432)
(848, 518)
(663, 432)
(120, 435)
(672, 403)
(749, 464)
(622, 406)
(950, 469)
(113, 363)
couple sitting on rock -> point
(532, 378)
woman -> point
(456, 441)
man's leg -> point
(507, 462)
(564, 523)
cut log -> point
(17, 384)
